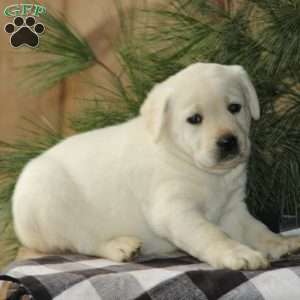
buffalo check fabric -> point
(171, 277)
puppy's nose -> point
(228, 144)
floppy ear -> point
(249, 92)
(154, 110)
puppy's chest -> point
(216, 196)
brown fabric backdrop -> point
(96, 20)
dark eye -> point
(234, 108)
(195, 119)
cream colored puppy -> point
(171, 178)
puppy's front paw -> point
(279, 246)
(121, 249)
(240, 257)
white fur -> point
(154, 181)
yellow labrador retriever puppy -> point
(174, 177)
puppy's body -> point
(90, 201)
(108, 191)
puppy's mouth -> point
(233, 157)
(227, 157)
(231, 161)
(221, 166)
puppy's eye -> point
(195, 119)
(234, 108)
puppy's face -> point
(205, 110)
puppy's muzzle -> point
(228, 147)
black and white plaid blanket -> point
(181, 277)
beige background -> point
(97, 21)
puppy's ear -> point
(154, 110)
(249, 92)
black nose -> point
(228, 145)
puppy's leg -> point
(241, 226)
(186, 228)
(120, 249)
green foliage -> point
(280, 32)
(263, 36)
(8, 242)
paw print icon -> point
(24, 32)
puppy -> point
(172, 178)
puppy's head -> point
(205, 111)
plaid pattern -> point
(174, 277)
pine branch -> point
(69, 54)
